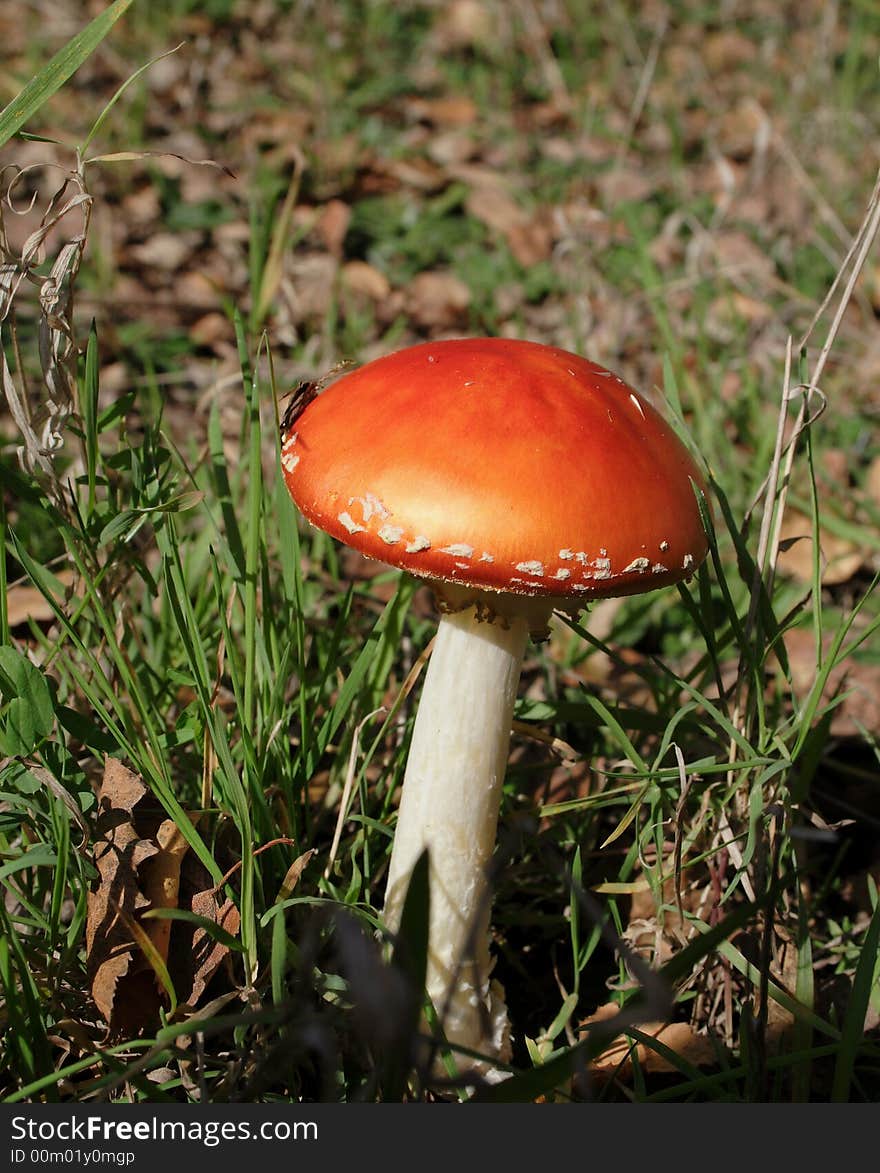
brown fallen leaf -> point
(25, 603)
(209, 954)
(493, 206)
(421, 174)
(840, 558)
(160, 882)
(533, 241)
(363, 279)
(455, 110)
(139, 857)
(623, 184)
(312, 283)
(213, 330)
(196, 291)
(783, 971)
(529, 237)
(294, 872)
(726, 49)
(464, 24)
(859, 680)
(142, 207)
(206, 954)
(837, 465)
(450, 147)
(438, 300)
(616, 1060)
(740, 128)
(164, 250)
(126, 996)
(332, 225)
(739, 256)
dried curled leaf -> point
(124, 992)
(208, 954)
(139, 857)
(161, 881)
(42, 420)
(135, 961)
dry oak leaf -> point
(208, 954)
(138, 856)
(616, 1060)
(115, 963)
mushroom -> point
(518, 478)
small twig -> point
(779, 477)
(562, 749)
(281, 841)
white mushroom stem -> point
(449, 804)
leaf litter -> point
(140, 857)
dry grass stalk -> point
(41, 416)
(776, 486)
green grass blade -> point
(253, 508)
(411, 949)
(89, 410)
(805, 992)
(776, 992)
(63, 65)
(24, 999)
(102, 117)
(342, 707)
(857, 1007)
(4, 609)
(607, 718)
(528, 1085)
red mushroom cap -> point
(499, 464)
